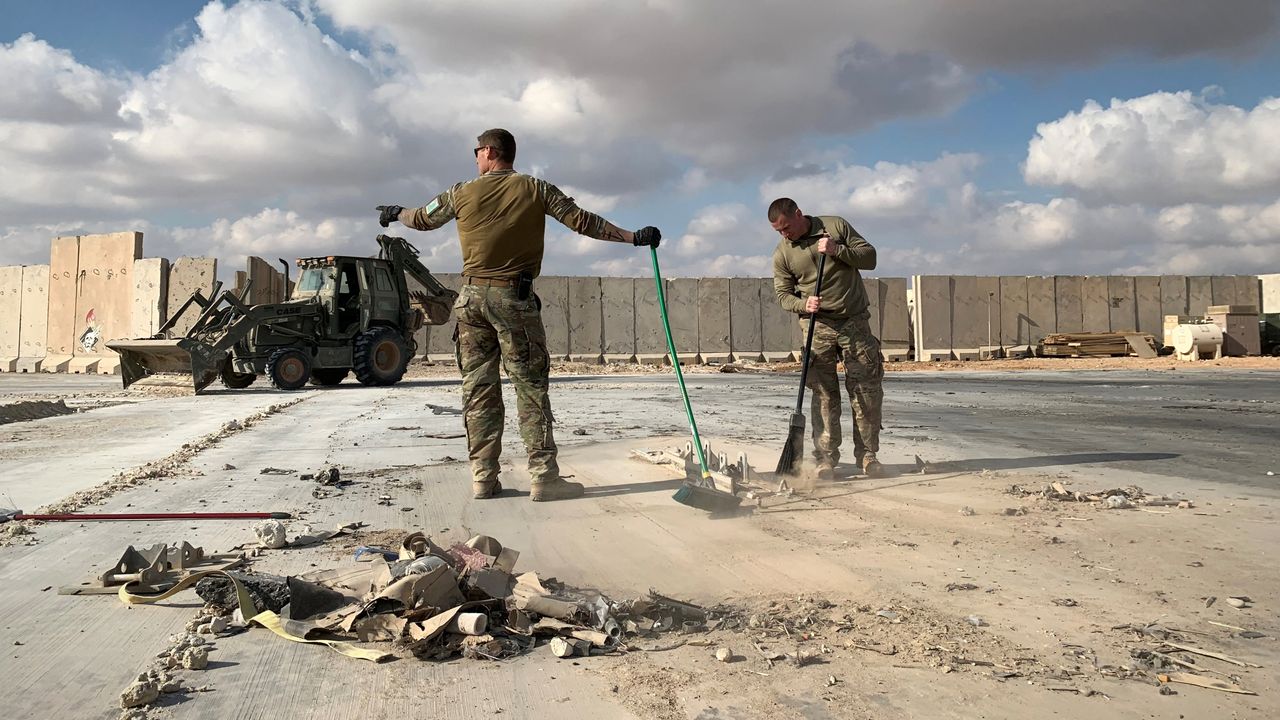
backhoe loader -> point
(346, 314)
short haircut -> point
(500, 140)
(782, 206)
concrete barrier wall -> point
(713, 320)
(35, 318)
(1269, 289)
(895, 321)
(618, 305)
(150, 296)
(1147, 298)
(104, 301)
(64, 273)
(67, 311)
(10, 316)
(682, 312)
(186, 276)
(746, 317)
(1199, 294)
(586, 331)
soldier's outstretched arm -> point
(566, 211)
(434, 214)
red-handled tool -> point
(7, 515)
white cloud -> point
(887, 190)
(1163, 148)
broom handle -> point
(808, 341)
(675, 361)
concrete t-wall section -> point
(1096, 304)
(1068, 293)
(1173, 296)
(618, 301)
(150, 297)
(104, 301)
(1147, 295)
(586, 334)
(1223, 290)
(1270, 293)
(895, 325)
(1249, 291)
(264, 281)
(778, 326)
(682, 312)
(553, 291)
(186, 276)
(713, 320)
(10, 316)
(932, 316)
(1124, 311)
(651, 340)
(1199, 294)
(746, 317)
(35, 318)
(975, 315)
(440, 339)
(1015, 325)
(64, 279)
(1042, 306)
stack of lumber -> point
(1097, 344)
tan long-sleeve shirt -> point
(795, 269)
(502, 220)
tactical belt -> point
(488, 282)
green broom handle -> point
(675, 361)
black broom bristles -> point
(793, 450)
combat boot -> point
(826, 470)
(485, 489)
(557, 489)
(871, 466)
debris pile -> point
(464, 600)
(1113, 499)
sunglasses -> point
(476, 152)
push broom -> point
(794, 449)
(701, 494)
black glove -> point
(649, 235)
(389, 213)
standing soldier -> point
(842, 330)
(501, 221)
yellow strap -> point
(266, 618)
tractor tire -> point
(233, 380)
(288, 369)
(380, 356)
(328, 376)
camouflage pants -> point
(848, 340)
(494, 326)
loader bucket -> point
(141, 358)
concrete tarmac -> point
(1208, 435)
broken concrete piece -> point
(1238, 601)
(195, 658)
(1117, 502)
(139, 694)
(268, 592)
(271, 534)
(724, 654)
(967, 511)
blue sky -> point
(272, 128)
